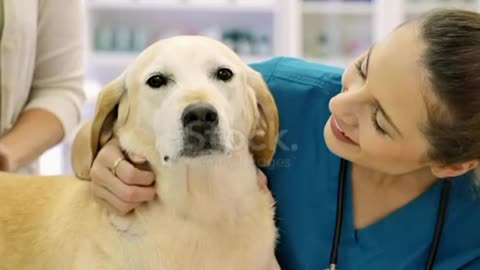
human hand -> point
(117, 183)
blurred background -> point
(327, 31)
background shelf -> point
(338, 7)
(420, 7)
(182, 6)
(116, 60)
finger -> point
(133, 176)
(113, 152)
(136, 158)
(139, 162)
(125, 171)
(109, 200)
(124, 192)
(110, 154)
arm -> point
(56, 95)
(18, 148)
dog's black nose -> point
(202, 113)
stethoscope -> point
(339, 222)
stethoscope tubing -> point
(339, 220)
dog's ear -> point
(106, 114)
(264, 137)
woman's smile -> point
(339, 133)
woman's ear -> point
(447, 171)
(264, 138)
(106, 114)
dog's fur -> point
(210, 213)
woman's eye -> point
(358, 66)
(157, 81)
(224, 74)
(376, 124)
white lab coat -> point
(42, 61)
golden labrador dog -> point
(201, 118)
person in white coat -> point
(41, 78)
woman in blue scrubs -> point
(406, 118)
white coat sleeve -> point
(58, 77)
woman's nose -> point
(346, 106)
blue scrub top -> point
(304, 177)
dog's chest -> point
(172, 243)
(205, 220)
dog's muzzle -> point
(200, 130)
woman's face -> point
(376, 120)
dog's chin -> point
(193, 152)
(197, 146)
(196, 153)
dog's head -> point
(187, 97)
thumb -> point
(136, 158)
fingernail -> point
(136, 158)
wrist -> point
(8, 160)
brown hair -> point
(452, 60)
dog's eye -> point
(224, 74)
(157, 81)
